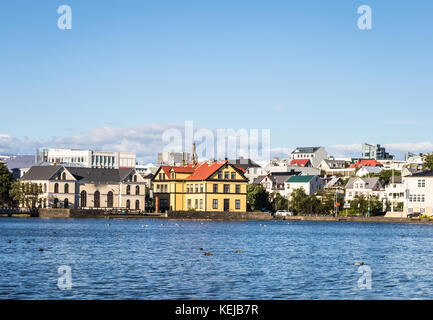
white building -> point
(89, 158)
(251, 169)
(395, 192)
(419, 193)
(310, 183)
(365, 171)
(364, 186)
(315, 154)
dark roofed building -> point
(78, 187)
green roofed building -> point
(310, 183)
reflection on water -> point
(160, 259)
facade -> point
(395, 192)
(315, 154)
(207, 186)
(365, 171)
(419, 193)
(87, 158)
(336, 167)
(310, 184)
(364, 186)
(375, 152)
(274, 181)
(89, 188)
(251, 169)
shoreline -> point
(250, 216)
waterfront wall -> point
(234, 216)
(358, 219)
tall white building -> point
(419, 193)
(314, 154)
(88, 158)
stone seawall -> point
(234, 216)
(358, 219)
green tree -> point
(279, 202)
(6, 180)
(428, 162)
(26, 194)
(257, 197)
(386, 175)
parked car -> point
(284, 213)
(414, 215)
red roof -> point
(200, 171)
(300, 162)
(366, 163)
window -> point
(110, 199)
(157, 188)
(128, 204)
(237, 204)
(66, 188)
(215, 188)
(196, 188)
(188, 204)
(410, 210)
(64, 176)
(66, 203)
(97, 199)
(137, 204)
(220, 175)
(201, 203)
(226, 175)
(201, 188)
(166, 188)
(238, 188)
(187, 188)
(137, 190)
(196, 203)
(421, 183)
(56, 188)
(226, 188)
(56, 202)
(233, 175)
(135, 178)
(128, 189)
(215, 204)
(422, 210)
(83, 199)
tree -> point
(386, 175)
(6, 180)
(279, 202)
(428, 162)
(257, 197)
(26, 194)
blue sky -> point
(300, 68)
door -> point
(226, 204)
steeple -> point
(193, 155)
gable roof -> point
(428, 173)
(300, 162)
(200, 171)
(366, 163)
(244, 163)
(300, 179)
(41, 172)
(369, 182)
(85, 175)
(305, 149)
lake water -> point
(161, 259)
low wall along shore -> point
(200, 215)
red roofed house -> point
(366, 163)
(301, 162)
(205, 186)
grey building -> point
(375, 152)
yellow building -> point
(207, 186)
